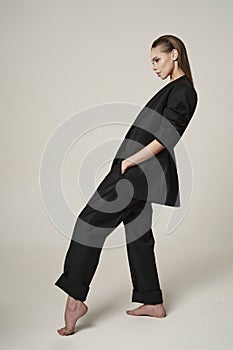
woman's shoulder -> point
(183, 88)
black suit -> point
(164, 117)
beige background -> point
(58, 57)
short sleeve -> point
(176, 115)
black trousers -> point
(94, 223)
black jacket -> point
(164, 117)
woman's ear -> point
(174, 54)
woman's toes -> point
(130, 312)
(65, 331)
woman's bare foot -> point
(154, 310)
(74, 310)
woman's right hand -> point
(125, 164)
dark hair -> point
(170, 42)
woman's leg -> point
(93, 225)
(140, 251)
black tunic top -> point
(164, 118)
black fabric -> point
(91, 229)
(164, 118)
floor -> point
(197, 289)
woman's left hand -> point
(125, 164)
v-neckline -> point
(171, 81)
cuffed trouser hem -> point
(75, 290)
(153, 297)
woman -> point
(146, 159)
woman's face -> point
(163, 63)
